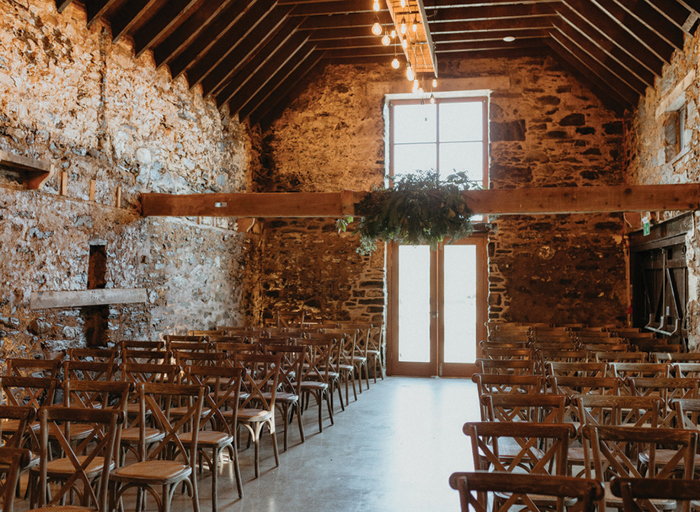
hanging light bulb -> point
(434, 82)
(415, 86)
(421, 90)
(414, 26)
(409, 72)
(403, 25)
(432, 99)
(393, 33)
(376, 28)
(403, 3)
(386, 40)
(395, 63)
(404, 43)
(376, 5)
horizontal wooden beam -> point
(81, 298)
(518, 201)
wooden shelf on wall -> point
(81, 298)
(34, 173)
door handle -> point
(433, 314)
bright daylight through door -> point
(437, 291)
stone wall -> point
(70, 97)
(546, 130)
(650, 160)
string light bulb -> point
(434, 82)
(376, 5)
(403, 3)
(393, 33)
(395, 63)
(403, 25)
(432, 98)
(376, 28)
(404, 43)
(415, 86)
(414, 26)
(386, 40)
(409, 72)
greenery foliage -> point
(418, 209)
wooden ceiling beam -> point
(498, 54)
(186, 33)
(284, 72)
(330, 8)
(339, 44)
(609, 96)
(495, 24)
(284, 93)
(343, 33)
(659, 25)
(642, 68)
(595, 52)
(62, 4)
(128, 16)
(97, 9)
(260, 75)
(637, 29)
(362, 52)
(162, 23)
(238, 53)
(691, 5)
(491, 12)
(494, 35)
(467, 46)
(673, 11)
(346, 21)
(223, 30)
(611, 80)
(451, 4)
(586, 10)
(513, 201)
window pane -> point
(461, 121)
(415, 123)
(459, 315)
(414, 303)
(462, 156)
(409, 158)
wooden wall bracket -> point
(34, 172)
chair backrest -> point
(14, 461)
(501, 366)
(225, 390)
(577, 386)
(88, 370)
(525, 490)
(291, 365)
(142, 345)
(505, 385)
(669, 390)
(627, 370)
(508, 353)
(130, 355)
(686, 357)
(33, 391)
(620, 357)
(22, 415)
(100, 438)
(689, 370)
(40, 368)
(96, 394)
(149, 372)
(318, 356)
(261, 380)
(544, 447)
(231, 349)
(636, 492)
(186, 358)
(575, 369)
(630, 452)
(184, 337)
(532, 408)
(629, 411)
(96, 355)
(688, 413)
(189, 346)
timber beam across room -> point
(516, 201)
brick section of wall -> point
(546, 130)
(650, 160)
(71, 97)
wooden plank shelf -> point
(34, 173)
(81, 298)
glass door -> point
(437, 308)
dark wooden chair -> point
(637, 493)
(13, 461)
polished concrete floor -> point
(392, 450)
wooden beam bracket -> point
(34, 173)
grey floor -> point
(392, 450)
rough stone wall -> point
(547, 130)
(70, 97)
(649, 160)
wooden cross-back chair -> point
(686, 370)
(86, 466)
(257, 407)
(225, 390)
(620, 357)
(525, 491)
(631, 452)
(95, 355)
(230, 350)
(365, 342)
(673, 357)
(574, 387)
(333, 374)
(88, 370)
(506, 367)
(575, 369)
(343, 360)
(628, 411)
(507, 353)
(288, 398)
(14, 461)
(142, 345)
(138, 356)
(505, 384)
(18, 418)
(39, 368)
(669, 390)
(156, 467)
(185, 358)
(638, 494)
(315, 378)
(528, 408)
(31, 392)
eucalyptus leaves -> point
(419, 209)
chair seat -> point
(282, 397)
(664, 457)
(208, 438)
(155, 472)
(78, 431)
(10, 426)
(610, 498)
(131, 435)
(314, 385)
(254, 415)
(371, 352)
(64, 508)
(346, 367)
(64, 467)
(179, 412)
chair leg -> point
(236, 467)
(330, 406)
(216, 453)
(340, 395)
(300, 421)
(287, 419)
(320, 409)
(273, 434)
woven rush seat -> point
(251, 414)
(155, 472)
(63, 467)
(208, 438)
(130, 435)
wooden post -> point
(64, 183)
(93, 185)
(119, 196)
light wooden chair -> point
(155, 469)
(525, 491)
(616, 451)
(507, 353)
(225, 389)
(315, 379)
(257, 407)
(506, 367)
(86, 466)
(525, 408)
(638, 493)
(669, 390)
(575, 369)
(33, 392)
(505, 385)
